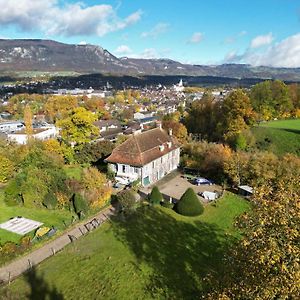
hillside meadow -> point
(279, 137)
(154, 253)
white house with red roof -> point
(147, 156)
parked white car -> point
(122, 180)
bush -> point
(50, 201)
(167, 205)
(127, 200)
(12, 196)
(155, 196)
(25, 242)
(189, 204)
(80, 205)
(9, 248)
(6, 169)
(135, 185)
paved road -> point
(22, 264)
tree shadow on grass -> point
(291, 130)
(181, 254)
(39, 288)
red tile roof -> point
(142, 148)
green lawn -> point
(48, 217)
(153, 254)
(293, 124)
(280, 137)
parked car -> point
(117, 185)
(201, 180)
(122, 180)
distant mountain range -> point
(51, 56)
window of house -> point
(136, 170)
(123, 168)
(153, 164)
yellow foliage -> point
(297, 113)
(53, 146)
(28, 120)
(104, 195)
(62, 199)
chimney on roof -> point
(170, 131)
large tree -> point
(294, 92)
(28, 120)
(265, 264)
(202, 117)
(178, 129)
(78, 128)
(237, 114)
(59, 107)
(271, 99)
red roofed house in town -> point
(147, 156)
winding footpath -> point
(17, 267)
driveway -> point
(176, 186)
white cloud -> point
(196, 38)
(262, 40)
(285, 53)
(68, 20)
(149, 53)
(82, 43)
(123, 50)
(157, 30)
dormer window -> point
(169, 144)
(161, 148)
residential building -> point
(105, 125)
(11, 126)
(43, 133)
(147, 156)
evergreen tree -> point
(189, 204)
(155, 196)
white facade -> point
(139, 116)
(151, 172)
(44, 134)
(179, 87)
(11, 126)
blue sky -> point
(259, 32)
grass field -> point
(283, 124)
(153, 254)
(280, 137)
(48, 217)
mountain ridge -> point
(49, 55)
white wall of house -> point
(152, 172)
(139, 116)
(105, 128)
(46, 134)
(11, 126)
